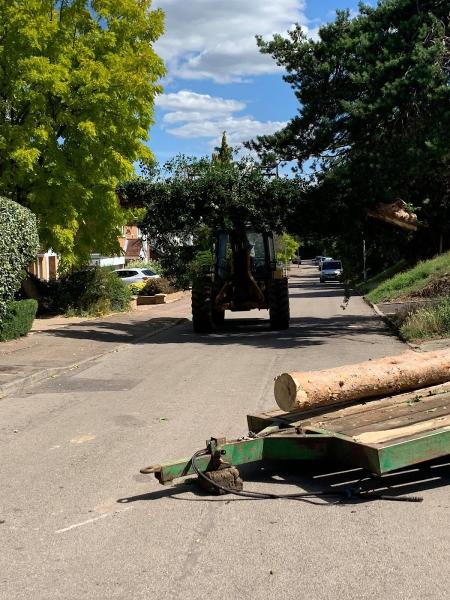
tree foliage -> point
(286, 247)
(190, 198)
(18, 247)
(78, 80)
(374, 114)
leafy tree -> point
(374, 116)
(78, 80)
(190, 198)
(286, 247)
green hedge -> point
(18, 319)
(19, 244)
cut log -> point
(384, 376)
(397, 214)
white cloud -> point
(187, 101)
(205, 116)
(215, 39)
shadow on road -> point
(315, 478)
(247, 330)
(304, 331)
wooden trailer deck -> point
(381, 434)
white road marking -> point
(92, 520)
(83, 438)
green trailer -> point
(380, 436)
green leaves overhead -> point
(220, 195)
(78, 81)
(191, 197)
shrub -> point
(18, 319)
(136, 287)
(157, 286)
(19, 244)
(93, 291)
(428, 322)
(202, 263)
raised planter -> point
(156, 299)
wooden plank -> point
(406, 431)
(382, 418)
(401, 421)
(257, 422)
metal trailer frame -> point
(412, 428)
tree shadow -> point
(255, 332)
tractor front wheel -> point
(202, 313)
(279, 304)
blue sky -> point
(217, 80)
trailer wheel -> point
(279, 304)
(202, 313)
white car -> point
(133, 274)
(331, 270)
(322, 259)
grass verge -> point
(429, 322)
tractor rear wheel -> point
(279, 304)
(202, 313)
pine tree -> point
(224, 152)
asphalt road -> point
(78, 521)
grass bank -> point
(373, 282)
(410, 283)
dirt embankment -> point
(436, 288)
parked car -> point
(132, 275)
(296, 260)
(322, 260)
(331, 270)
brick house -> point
(133, 245)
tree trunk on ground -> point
(384, 376)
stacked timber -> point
(381, 377)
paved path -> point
(80, 522)
(59, 343)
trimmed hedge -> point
(18, 319)
(19, 244)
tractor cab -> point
(245, 277)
